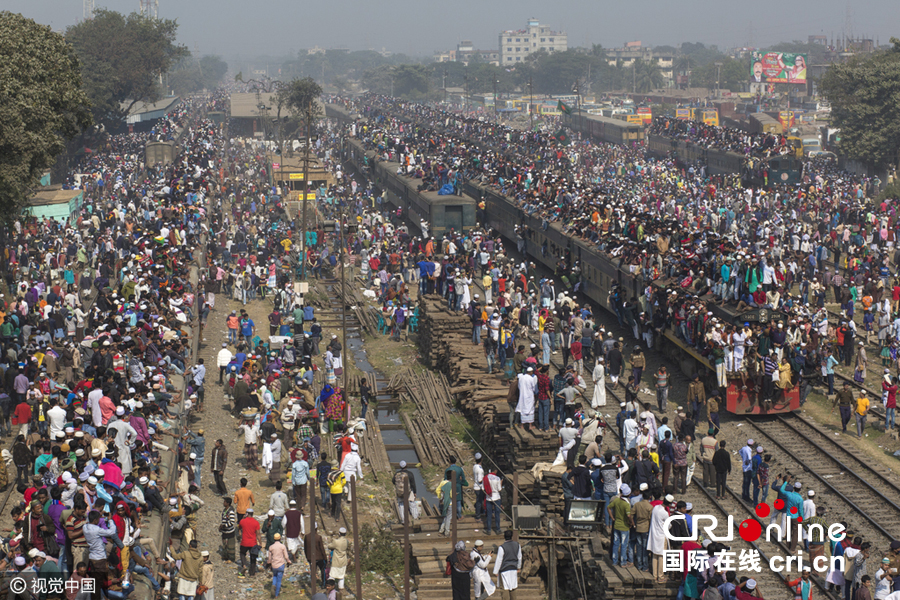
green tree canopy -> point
(865, 105)
(122, 58)
(732, 75)
(299, 98)
(42, 104)
(647, 76)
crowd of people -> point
(694, 241)
(95, 324)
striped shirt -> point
(75, 530)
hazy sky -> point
(274, 27)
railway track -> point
(863, 496)
(771, 583)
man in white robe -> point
(599, 377)
(656, 541)
(508, 564)
(125, 434)
(527, 394)
(484, 587)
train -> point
(599, 275)
(783, 170)
(603, 129)
(547, 245)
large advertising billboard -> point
(777, 67)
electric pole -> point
(531, 99)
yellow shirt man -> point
(862, 406)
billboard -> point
(777, 67)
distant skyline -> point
(232, 28)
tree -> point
(122, 59)
(865, 105)
(42, 104)
(647, 76)
(301, 97)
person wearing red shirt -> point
(250, 538)
(890, 386)
(22, 417)
(746, 590)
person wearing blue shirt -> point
(747, 466)
(248, 329)
(830, 363)
(426, 270)
(754, 469)
(793, 506)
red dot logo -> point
(793, 510)
(750, 530)
(763, 510)
(779, 505)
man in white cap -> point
(125, 435)
(657, 541)
(352, 467)
(745, 590)
(401, 478)
(747, 466)
(222, 360)
(277, 558)
(340, 557)
(484, 587)
(207, 579)
(598, 376)
(294, 528)
(527, 395)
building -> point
(516, 44)
(821, 40)
(625, 57)
(466, 52)
(53, 202)
(149, 111)
(446, 56)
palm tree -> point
(647, 76)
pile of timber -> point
(439, 328)
(545, 491)
(445, 343)
(428, 429)
(532, 447)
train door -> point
(453, 216)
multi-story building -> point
(466, 52)
(626, 56)
(516, 44)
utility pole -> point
(356, 563)
(633, 77)
(406, 505)
(305, 185)
(718, 67)
(312, 529)
(344, 323)
(466, 99)
(496, 81)
(531, 99)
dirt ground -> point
(218, 423)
